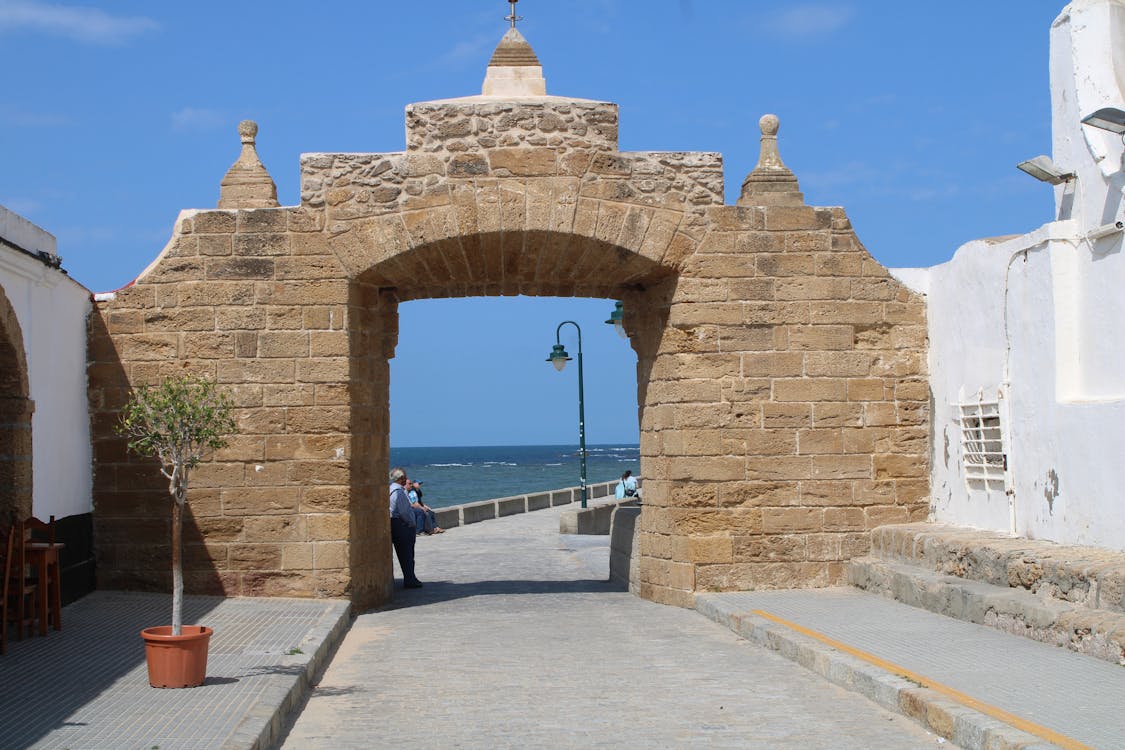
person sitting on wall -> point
(627, 488)
(425, 520)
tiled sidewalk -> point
(86, 687)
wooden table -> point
(44, 557)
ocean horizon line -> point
(463, 473)
(513, 445)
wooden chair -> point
(5, 556)
(20, 591)
(43, 551)
(40, 531)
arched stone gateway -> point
(15, 419)
(781, 385)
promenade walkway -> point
(517, 640)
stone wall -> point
(15, 420)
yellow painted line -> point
(966, 700)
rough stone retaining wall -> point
(1068, 596)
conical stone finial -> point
(247, 184)
(770, 183)
(514, 70)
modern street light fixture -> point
(617, 320)
(1044, 170)
(559, 358)
(1107, 118)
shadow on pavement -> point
(444, 591)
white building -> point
(43, 386)
(1027, 333)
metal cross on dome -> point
(513, 17)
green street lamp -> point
(559, 358)
(617, 320)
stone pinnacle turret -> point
(514, 70)
(771, 183)
(247, 184)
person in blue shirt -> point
(403, 528)
(627, 487)
(425, 520)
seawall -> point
(485, 510)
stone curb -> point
(963, 726)
(266, 719)
(1093, 632)
(595, 520)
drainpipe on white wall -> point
(1004, 392)
(1006, 436)
(1003, 395)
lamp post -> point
(559, 358)
(617, 319)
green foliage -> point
(178, 421)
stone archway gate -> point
(781, 371)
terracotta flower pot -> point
(176, 661)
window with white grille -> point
(982, 445)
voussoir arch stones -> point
(541, 235)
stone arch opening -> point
(533, 263)
(15, 419)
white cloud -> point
(810, 19)
(23, 119)
(197, 118)
(852, 173)
(73, 22)
(931, 193)
(22, 206)
(479, 47)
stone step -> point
(1087, 630)
(1087, 576)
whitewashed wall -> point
(1038, 322)
(51, 309)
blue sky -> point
(116, 115)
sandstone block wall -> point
(244, 298)
(785, 412)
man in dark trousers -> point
(402, 528)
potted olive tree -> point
(177, 421)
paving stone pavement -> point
(1075, 695)
(518, 640)
(85, 687)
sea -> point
(455, 475)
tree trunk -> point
(177, 560)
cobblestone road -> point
(518, 641)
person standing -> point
(402, 527)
